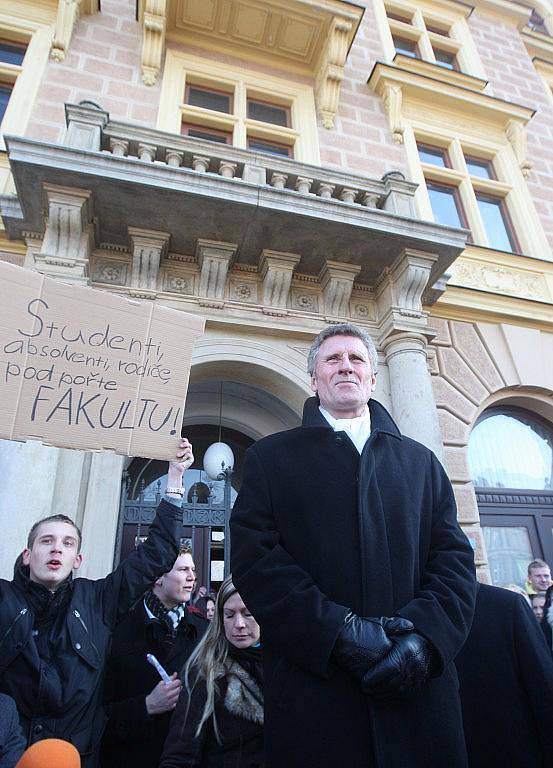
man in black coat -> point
(340, 519)
(506, 675)
(56, 631)
(138, 703)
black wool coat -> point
(12, 743)
(239, 714)
(318, 530)
(506, 675)
(61, 697)
(132, 737)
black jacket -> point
(62, 698)
(239, 715)
(12, 743)
(506, 675)
(133, 737)
(318, 530)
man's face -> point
(176, 586)
(538, 601)
(343, 377)
(54, 554)
(540, 578)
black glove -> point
(362, 643)
(404, 670)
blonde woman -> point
(218, 721)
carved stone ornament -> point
(154, 22)
(214, 259)
(112, 272)
(331, 73)
(306, 302)
(147, 248)
(337, 283)
(488, 277)
(276, 273)
(516, 133)
(67, 17)
(177, 283)
(393, 100)
(244, 292)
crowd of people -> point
(374, 646)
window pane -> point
(480, 168)
(445, 59)
(406, 47)
(494, 223)
(511, 451)
(509, 552)
(432, 155)
(268, 113)
(207, 134)
(5, 93)
(11, 53)
(271, 149)
(444, 205)
(202, 97)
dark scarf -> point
(250, 660)
(169, 618)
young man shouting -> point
(55, 631)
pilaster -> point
(276, 271)
(337, 283)
(147, 248)
(69, 236)
(154, 22)
(214, 259)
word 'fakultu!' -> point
(104, 337)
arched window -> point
(510, 456)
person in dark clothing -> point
(547, 621)
(218, 722)
(12, 743)
(139, 705)
(337, 521)
(506, 678)
(56, 630)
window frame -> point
(227, 135)
(284, 107)
(298, 98)
(201, 86)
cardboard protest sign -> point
(84, 368)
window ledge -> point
(434, 71)
(538, 45)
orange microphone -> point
(50, 753)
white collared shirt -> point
(357, 429)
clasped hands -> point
(386, 655)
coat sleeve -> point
(536, 672)
(443, 608)
(12, 743)
(292, 611)
(137, 572)
(126, 719)
(183, 749)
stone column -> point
(413, 405)
(101, 513)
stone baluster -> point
(119, 147)
(348, 195)
(303, 185)
(325, 190)
(278, 180)
(227, 169)
(200, 163)
(147, 152)
(174, 158)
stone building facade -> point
(276, 166)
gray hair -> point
(341, 329)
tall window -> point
(423, 35)
(11, 60)
(510, 457)
(464, 191)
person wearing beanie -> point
(50, 753)
(138, 703)
(56, 630)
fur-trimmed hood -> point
(244, 697)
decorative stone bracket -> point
(154, 22)
(276, 273)
(147, 248)
(337, 283)
(69, 235)
(331, 70)
(399, 293)
(214, 259)
(516, 133)
(393, 101)
(68, 14)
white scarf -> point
(357, 429)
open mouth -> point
(54, 563)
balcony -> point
(208, 208)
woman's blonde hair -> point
(209, 658)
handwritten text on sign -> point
(85, 365)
